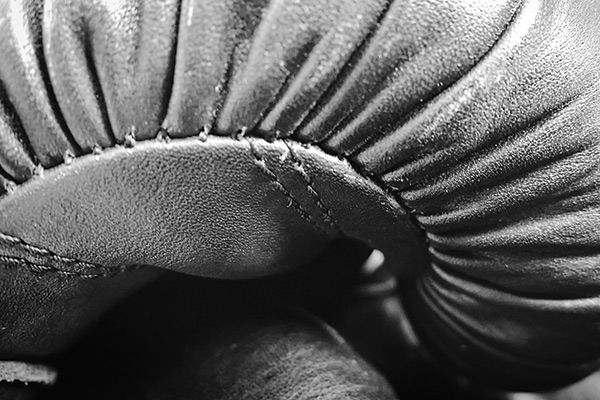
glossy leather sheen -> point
(234, 139)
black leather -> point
(220, 208)
(235, 139)
(239, 347)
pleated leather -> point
(480, 117)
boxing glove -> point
(236, 139)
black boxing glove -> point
(234, 139)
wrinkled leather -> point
(475, 123)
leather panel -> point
(42, 314)
(227, 208)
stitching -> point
(39, 260)
(395, 195)
(260, 161)
(310, 188)
(14, 262)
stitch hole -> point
(240, 133)
(163, 135)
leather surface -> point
(43, 315)
(478, 118)
(221, 208)
(239, 348)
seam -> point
(14, 262)
(292, 202)
(204, 135)
(396, 196)
(310, 188)
(39, 260)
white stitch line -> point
(43, 260)
(298, 166)
(260, 161)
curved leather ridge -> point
(501, 171)
(25, 79)
(223, 207)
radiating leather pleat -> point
(68, 31)
(530, 70)
(524, 153)
(131, 45)
(419, 49)
(487, 204)
(291, 64)
(23, 75)
(534, 341)
(501, 171)
(15, 159)
(214, 39)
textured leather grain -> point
(222, 208)
(236, 138)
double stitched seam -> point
(40, 260)
(42, 268)
(310, 188)
(262, 164)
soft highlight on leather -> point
(246, 208)
(477, 119)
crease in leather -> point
(389, 93)
(365, 143)
(223, 91)
(272, 121)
